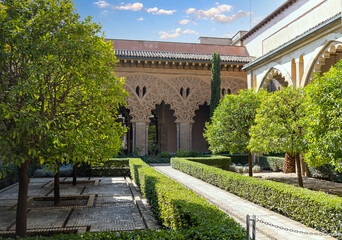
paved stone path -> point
(100, 204)
(238, 208)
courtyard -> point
(93, 205)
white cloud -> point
(175, 33)
(209, 13)
(102, 4)
(157, 11)
(190, 10)
(220, 18)
(165, 12)
(132, 7)
(188, 31)
(183, 22)
(229, 35)
(140, 19)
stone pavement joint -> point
(239, 208)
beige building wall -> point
(290, 23)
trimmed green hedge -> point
(10, 174)
(325, 172)
(315, 209)
(118, 167)
(180, 209)
(241, 159)
(215, 161)
(276, 164)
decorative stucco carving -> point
(146, 91)
(274, 74)
(233, 84)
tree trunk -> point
(57, 197)
(21, 219)
(289, 164)
(250, 164)
(299, 170)
(74, 175)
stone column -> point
(185, 135)
(140, 137)
(178, 136)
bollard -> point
(253, 220)
(247, 226)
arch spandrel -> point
(159, 90)
(276, 74)
(329, 53)
(233, 84)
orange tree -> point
(58, 93)
(323, 119)
(229, 127)
(279, 125)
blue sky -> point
(175, 20)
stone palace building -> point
(169, 83)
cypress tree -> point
(215, 83)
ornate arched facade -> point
(173, 94)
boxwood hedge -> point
(272, 162)
(315, 209)
(215, 161)
(183, 213)
(180, 209)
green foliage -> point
(215, 161)
(325, 171)
(182, 153)
(279, 123)
(193, 153)
(59, 95)
(323, 120)
(154, 159)
(229, 128)
(9, 174)
(215, 82)
(182, 210)
(165, 154)
(315, 209)
(115, 167)
(237, 158)
(276, 164)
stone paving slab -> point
(7, 217)
(239, 208)
(110, 189)
(67, 190)
(114, 217)
(47, 218)
(101, 200)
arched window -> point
(223, 91)
(187, 92)
(229, 91)
(144, 91)
(181, 91)
(137, 90)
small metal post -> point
(247, 226)
(253, 226)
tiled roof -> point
(175, 56)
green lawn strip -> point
(315, 209)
